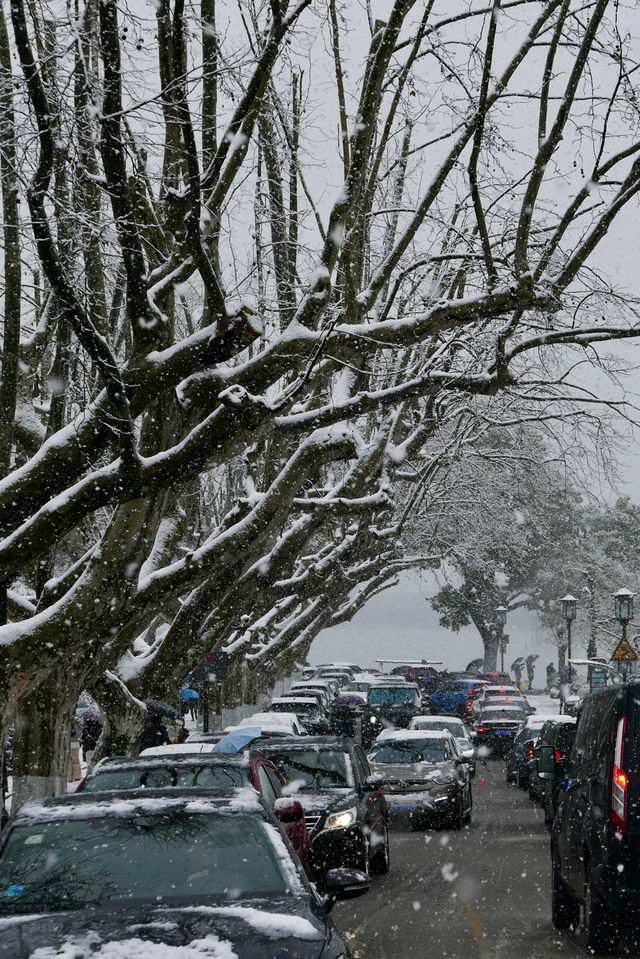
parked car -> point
(282, 722)
(215, 772)
(560, 734)
(454, 697)
(521, 752)
(497, 728)
(390, 704)
(425, 777)
(595, 835)
(307, 709)
(458, 730)
(345, 810)
(188, 870)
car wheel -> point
(456, 818)
(467, 815)
(364, 862)
(565, 911)
(381, 858)
(600, 931)
(523, 781)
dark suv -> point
(595, 835)
(345, 809)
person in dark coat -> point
(89, 736)
(154, 734)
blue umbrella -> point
(190, 694)
(236, 740)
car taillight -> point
(481, 729)
(619, 783)
(529, 753)
(559, 757)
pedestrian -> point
(74, 770)
(91, 731)
(154, 734)
(552, 677)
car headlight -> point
(444, 779)
(339, 820)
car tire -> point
(601, 934)
(523, 781)
(456, 818)
(469, 812)
(380, 861)
(565, 911)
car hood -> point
(295, 928)
(319, 801)
(411, 772)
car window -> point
(311, 769)
(212, 777)
(391, 696)
(266, 787)
(274, 779)
(362, 756)
(410, 751)
(158, 858)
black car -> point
(595, 835)
(84, 877)
(389, 706)
(345, 810)
(426, 778)
(307, 709)
(497, 728)
(559, 734)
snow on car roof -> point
(178, 749)
(119, 763)
(502, 689)
(436, 718)
(268, 719)
(294, 700)
(403, 734)
(135, 802)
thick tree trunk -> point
(491, 647)
(124, 718)
(42, 739)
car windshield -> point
(158, 858)
(309, 769)
(456, 729)
(495, 712)
(409, 751)
(391, 696)
(164, 777)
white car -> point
(281, 722)
(457, 729)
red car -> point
(177, 768)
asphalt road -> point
(482, 891)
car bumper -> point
(334, 848)
(423, 805)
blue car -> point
(454, 697)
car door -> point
(575, 798)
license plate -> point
(504, 732)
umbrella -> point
(156, 708)
(234, 741)
(89, 714)
(349, 699)
(190, 694)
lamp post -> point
(569, 608)
(501, 621)
(623, 607)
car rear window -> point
(167, 777)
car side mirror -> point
(547, 763)
(373, 783)
(288, 810)
(341, 884)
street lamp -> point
(569, 608)
(501, 621)
(623, 606)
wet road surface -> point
(481, 891)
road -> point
(483, 891)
